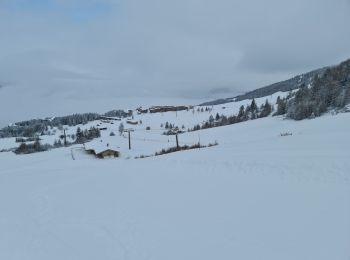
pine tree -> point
(121, 128)
(253, 106)
(241, 113)
(281, 106)
(266, 109)
(253, 109)
(80, 136)
(211, 119)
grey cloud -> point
(172, 47)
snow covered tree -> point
(211, 119)
(253, 109)
(79, 136)
(266, 109)
(253, 105)
(241, 113)
(121, 128)
(281, 106)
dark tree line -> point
(35, 127)
(32, 148)
(250, 112)
(82, 136)
(118, 113)
(283, 86)
(86, 135)
(329, 91)
(31, 128)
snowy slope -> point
(148, 142)
(257, 195)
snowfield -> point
(147, 142)
(257, 195)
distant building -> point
(140, 110)
(161, 109)
(132, 122)
(101, 150)
(108, 153)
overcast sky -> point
(165, 48)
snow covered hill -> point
(144, 141)
(257, 195)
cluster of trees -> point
(283, 86)
(281, 106)
(118, 113)
(73, 120)
(321, 90)
(172, 129)
(87, 135)
(33, 127)
(169, 125)
(330, 91)
(24, 129)
(202, 109)
(249, 112)
(58, 143)
(32, 148)
(81, 137)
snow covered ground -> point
(257, 195)
(149, 141)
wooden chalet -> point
(108, 153)
(161, 109)
(101, 150)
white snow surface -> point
(148, 142)
(257, 195)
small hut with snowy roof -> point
(101, 149)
